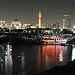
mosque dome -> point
(16, 21)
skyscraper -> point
(63, 24)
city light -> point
(66, 15)
(74, 26)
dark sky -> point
(27, 10)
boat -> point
(54, 40)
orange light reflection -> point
(52, 55)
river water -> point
(17, 59)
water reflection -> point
(73, 53)
(54, 55)
(32, 59)
(60, 56)
(6, 59)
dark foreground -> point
(68, 69)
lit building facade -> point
(16, 24)
(2, 23)
(63, 24)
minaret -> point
(40, 20)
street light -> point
(66, 16)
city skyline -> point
(26, 11)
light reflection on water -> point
(73, 53)
(32, 59)
(54, 55)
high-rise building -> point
(63, 24)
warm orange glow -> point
(52, 40)
(53, 54)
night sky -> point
(27, 10)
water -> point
(32, 59)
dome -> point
(16, 21)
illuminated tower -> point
(40, 20)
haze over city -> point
(37, 37)
(27, 10)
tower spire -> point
(40, 19)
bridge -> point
(71, 41)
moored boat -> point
(54, 40)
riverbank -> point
(68, 69)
